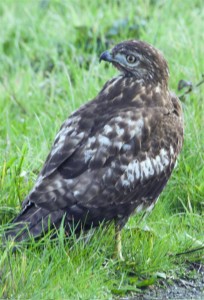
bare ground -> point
(188, 286)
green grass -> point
(48, 67)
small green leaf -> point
(146, 282)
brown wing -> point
(113, 169)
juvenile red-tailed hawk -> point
(114, 155)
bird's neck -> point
(136, 91)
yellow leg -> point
(118, 243)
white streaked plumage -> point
(115, 154)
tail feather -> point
(33, 222)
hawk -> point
(114, 155)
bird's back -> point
(112, 157)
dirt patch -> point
(188, 286)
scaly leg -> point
(118, 243)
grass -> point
(48, 67)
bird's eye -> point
(131, 59)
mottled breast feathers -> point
(115, 154)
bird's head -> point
(139, 59)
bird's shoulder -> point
(107, 134)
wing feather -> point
(109, 168)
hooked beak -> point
(107, 56)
